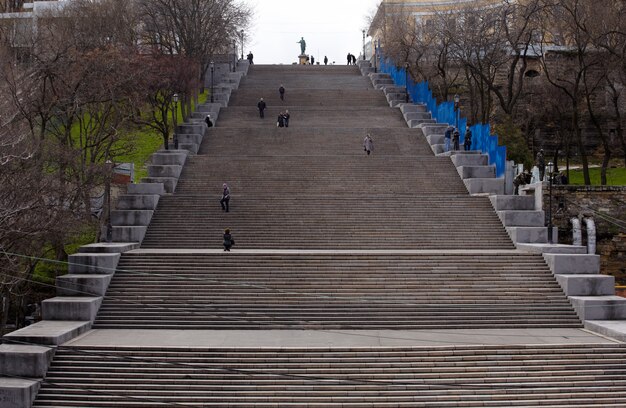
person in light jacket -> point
(447, 138)
(225, 197)
(368, 144)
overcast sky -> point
(329, 27)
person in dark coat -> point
(312, 60)
(208, 121)
(456, 138)
(281, 120)
(228, 240)
(349, 59)
(261, 105)
(540, 162)
(286, 117)
(251, 58)
(325, 60)
(353, 60)
(468, 139)
(281, 91)
(225, 197)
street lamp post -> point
(406, 80)
(363, 45)
(175, 115)
(109, 233)
(457, 100)
(234, 55)
(550, 170)
(376, 45)
(241, 33)
(212, 83)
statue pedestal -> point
(303, 59)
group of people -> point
(351, 59)
(283, 116)
(283, 119)
(452, 138)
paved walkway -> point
(331, 338)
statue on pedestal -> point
(302, 46)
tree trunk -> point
(581, 146)
(4, 303)
(605, 163)
(619, 130)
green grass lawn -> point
(615, 177)
(146, 142)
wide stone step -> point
(299, 97)
(551, 376)
(314, 141)
(306, 117)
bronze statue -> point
(302, 45)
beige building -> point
(19, 19)
(420, 10)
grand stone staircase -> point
(372, 253)
(310, 186)
(352, 291)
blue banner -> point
(444, 112)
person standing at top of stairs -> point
(261, 105)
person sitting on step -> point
(228, 240)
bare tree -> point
(163, 77)
(566, 71)
(493, 44)
(64, 113)
(609, 35)
(197, 29)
